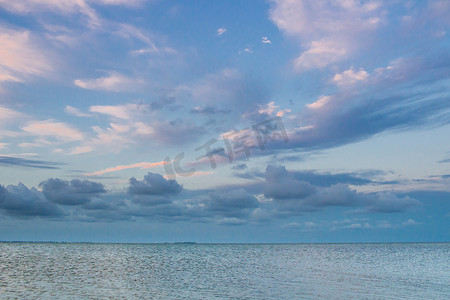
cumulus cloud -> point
(281, 195)
(349, 77)
(231, 204)
(295, 193)
(386, 202)
(74, 192)
(19, 201)
(281, 185)
(153, 184)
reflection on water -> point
(217, 271)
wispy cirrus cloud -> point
(387, 100)
(56, 130)
(9, 161)
(8, 115)
(114, 82)
(21, 56)
(66, 7)
(221, 31)
(142, 165)
(126, 111)
(75, 111)
(81, 150)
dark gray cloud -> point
(8, 161)
(19, 201)
(153, 184)
(287, 193)
(327, 179)
(294, 193)
(386, 202)
(75, 192)
(280, 184)
(234, 203)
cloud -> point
(208, 110)
(349, 77)
(119, 2)
(330, 30)
(280, 185)
(19, 201)
(321, 53)
(234, 203)
(386, 202)
(240, 167)
(114, 82)
(410, 222)
(75, 111)
(227, 89)
(142, 165)
(75, 192)
(51, 129)
(265, 40)
(65, 7)
(294, 193)
(7, 115)
(221, 31)
(138, 124)
(231, 221)
(81, 150)
(153, 184)
(21, 56)
(326, 179)
(271, 109)
(176, 132)
(411, 93)
(9, 161)
(167, 201)
(58, 6)
(126, 111)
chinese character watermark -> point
(237, 144)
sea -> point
(224, 271)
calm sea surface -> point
(225, 271)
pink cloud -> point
(142, 165)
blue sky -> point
(224, 121)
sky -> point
(225, 121)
